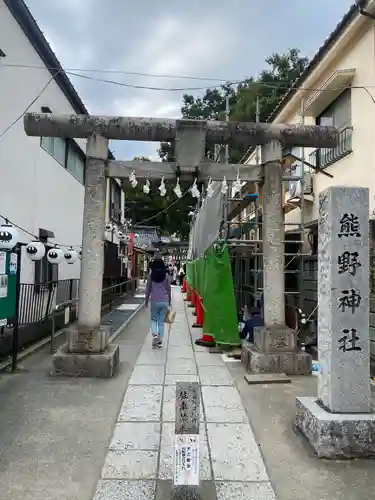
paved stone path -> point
(139, 462)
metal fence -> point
(44, 308)
(37, 302)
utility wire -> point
(248, 82)
(8, 221)
(28, 107)
(228, 81)
(114, 71)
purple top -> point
(158, 292)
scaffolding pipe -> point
(302, 215)
(257, 207)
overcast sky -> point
(226, 39)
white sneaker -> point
(155, 340)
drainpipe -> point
(360, 7)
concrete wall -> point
(357, 167)
(40, 192)
(37, 192)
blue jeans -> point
(158, 312)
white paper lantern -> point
(35, 250)
(8, 237)
(55, 255)
(194, 190)
(121, 236)
(108, 227)
(71, 256)
(80, 254)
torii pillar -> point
(88, 352)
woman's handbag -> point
(170, 316)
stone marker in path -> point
(186, 457)
(339, 422)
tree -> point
(140, 206)
(141, 158)
(269, 87)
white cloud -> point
(214, 38)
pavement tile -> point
(184, 351)
(226, 415)
(142, 403)
(179, 340)
(147, 375)
(133, 464)
(215, 375)
(172, 379)
(125, 490)
(152, 357)
(223, 404)
(245, 491)
(235, 454)
(208, 359)
(136, 436)
(181, 366)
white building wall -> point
(36, 191)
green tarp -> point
(213, 281)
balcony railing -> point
(324, 157)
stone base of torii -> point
(88, 352)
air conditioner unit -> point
(294, 188)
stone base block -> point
(83, 340)
(290, 363)
(99, 365)
(276, 339)
(336, 435)
(267, 378)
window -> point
(337, 114)
(56, 147)
(67, 153)
(115, 199)
(75, 163)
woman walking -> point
(158, 292)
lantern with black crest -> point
(55, 255)
(71, 256)
(35, 250)
(8, 237)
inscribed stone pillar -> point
(93, 234)
(343, 298)
(186, 459)
(273, 236)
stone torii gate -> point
(190, 138)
